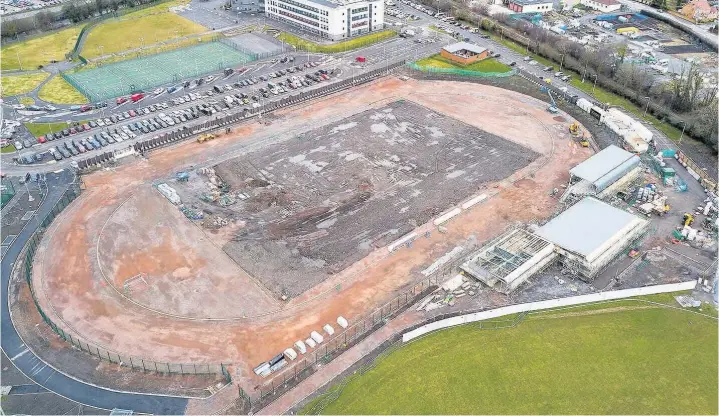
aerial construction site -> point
(236, 249)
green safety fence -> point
(460, 72)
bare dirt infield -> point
(319, 203)
(82, 264)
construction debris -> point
(686, 301)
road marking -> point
(20, 354)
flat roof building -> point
(530, 6)
(464, 53)
(329, 19)
(605, 172)
(590, 234)
(605, 6)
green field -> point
(40, 50)
(21, 84)
(347, 45)
(58, 91)
(486, 65)
(142, 28)
(624, 357)
(8, 149)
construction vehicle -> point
(552, 108)
(688, 219)
(206, 137)
(575, 129)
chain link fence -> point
(135, 363)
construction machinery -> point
(552, 108)
(575, 129)
(206, 137)
(688, 219)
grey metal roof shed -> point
(604, 168)
(588, 226)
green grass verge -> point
(58, 91)
(41, 129)
(26, 100)
(40, 50)
(21, 84)
(486, 65)
(145, 27)
(623, 361)
(347, 45)
(8, 149)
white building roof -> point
(587, 226)
(459, 46)
(603, 164)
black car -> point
(57, 155)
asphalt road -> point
(41, 373)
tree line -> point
(686, 102)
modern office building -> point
(330, 19)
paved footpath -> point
(337, 366)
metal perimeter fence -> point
(124, 360)
(219, 123)
(344, 340)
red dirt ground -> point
(147, 234)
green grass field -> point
(610, 358)
(40, 50)
(21, 84)
(8, 149)
(58, 91)
(153, 25)
(354, 43)
(486, 65)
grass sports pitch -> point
(626, 357)
(125, 77)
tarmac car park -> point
(130, 124)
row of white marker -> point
(290, 354)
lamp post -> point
(647, 107)
(684, 126)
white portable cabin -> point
(301, 347)
(291, 354)
(317, 337)
(311, 342)
(328, 329)
(341, 321)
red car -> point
(132, 113)
(73, 130)
(86, 127)
(120, 100)
(85, 108)
(137, 97)
(41, 139)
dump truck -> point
(206, 137)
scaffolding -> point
(509, 260)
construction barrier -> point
(547, 304)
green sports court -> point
(125, 77)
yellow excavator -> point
(206, 137)
(578, 134)
(688, 219)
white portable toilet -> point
(291, 354)
(301, 347)
(341, 321)
(328, 329)
(317, 337)
(311, 342)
